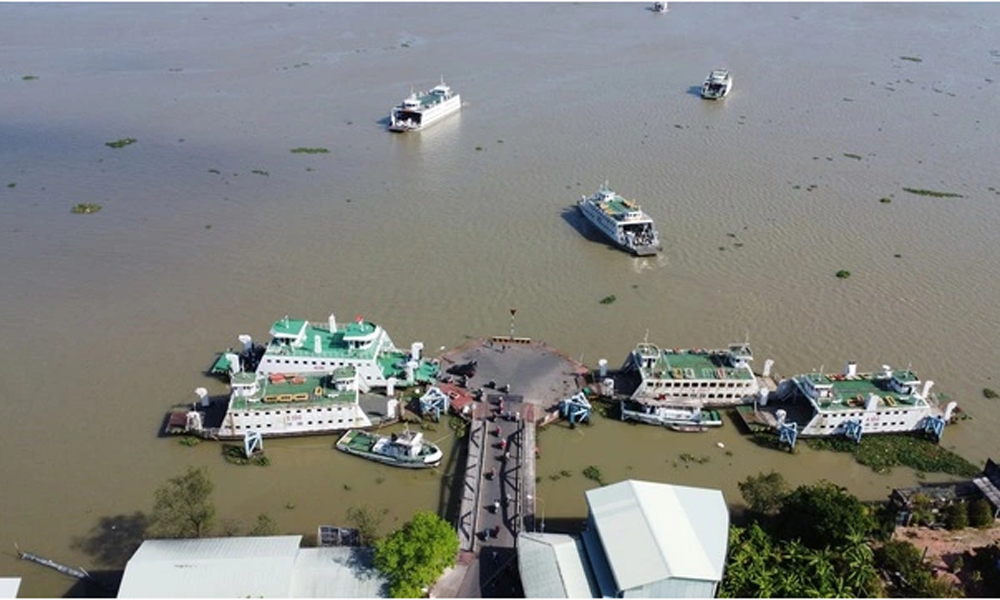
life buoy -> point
(318, 391)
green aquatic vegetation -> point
(885, 200)
(85, 209)
(911, 58)
(121, 143)
(310, 151)
(932, 193)
(843, 274)
(214, 171)
(854, 156)
(594, 474)
(189, 441)
(234, 455)
(260, 172)
(608, 299)
(11, 185)
(882, 452)
(29, 77)
(990, 394)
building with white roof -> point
(255, 567)
(9, 586)
(643, 540)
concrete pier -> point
(519, 380)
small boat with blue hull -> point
(678, 418)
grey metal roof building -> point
(268, 567)
(643, 539)
(553, 565)
(9, 586)
(658, 540)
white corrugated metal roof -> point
(212, 568)
(553, 565)
(653, 531)
(337, 572)
(9, 586)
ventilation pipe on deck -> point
(780, 414)
(415, 349)
(390, 386)
(246, 340)
(851, 370)
(333, 323)
(202, 394)
(886, 371)
(609, 387)
(602, 368)
(767, 367)
(763, 396)
(411, 369)
(872, 402)
(949, 410)
(927, 389)
(317, 344)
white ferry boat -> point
(421, 109)
(852, 403)
(407, 449)
(285, 405)
(717, 85)
(300, 346)
(622, 221)
(680, 418)
(692, 377)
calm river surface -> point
(211, 227)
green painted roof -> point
(294, 392)
(851, 394)
(696, 364)
(287, 327)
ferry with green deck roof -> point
(622, 221)
(852, 403)
(299, 346)
(692, 377)
(279, 405)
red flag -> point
(358, 319)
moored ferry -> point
(622, 221)
(299, 346)
(692, 377)
(407, 449)
(852, 404)
(285, 405)
(422, 109)
(680, 418)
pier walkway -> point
(519, 381)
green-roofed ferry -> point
(299, 346)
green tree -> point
(822, 514)
(367, 522)
(956, 515)
(980, 513)
(899, 556)
(415, 555)
(764, 492)
(183, 506)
